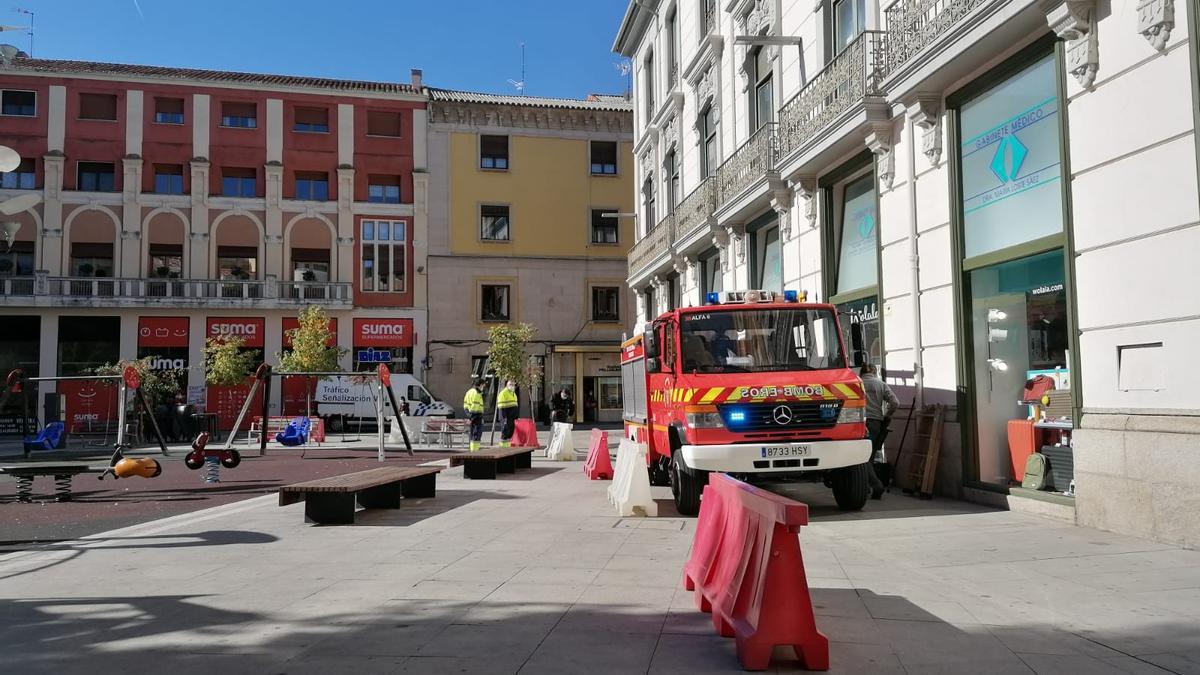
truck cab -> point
(751, 383)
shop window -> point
(493, 152)
(494, 302)
(91, 259)
(866, 312)
(857, 248)
(21, 178)
(168, 110)
(384, 267)
(237, 182)
(1011, 162)
(383, 123)
(312, 120)
(312, 186)
(494, 223)
(166, 261)
(383, 189)
(18, 103)
(239, 115)
(17, 261)
(168, 179)
(604, 226)
(604, 158)
(768, 262)
(86, 342)
(237, 262)
(96, 177)
(606, 303)
(101, 107)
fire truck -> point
(757, 384)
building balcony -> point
(656, 243)
(693, 213)
(47, 291)
(749, 165)
(914, 25)
(833, 95)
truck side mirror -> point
(652, 364)
(650, 344)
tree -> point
(508, 360)
(159, 386)
(311, 350)
(225, 364)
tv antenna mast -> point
(520, 84)
(21, 10)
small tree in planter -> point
(311, 350)
(225, 364)
(507, 358)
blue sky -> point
(460, 44)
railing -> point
(655, 243)
(181, 291)
(315, 290)
(913, 25)
(748, 164)
(16, 286)
(846, 81)
(693, 212)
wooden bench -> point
(331, 501)
(484, 465)
(63, 472)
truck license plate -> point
(773, 451)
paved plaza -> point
(533, 574)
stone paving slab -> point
(533, 574)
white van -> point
(349, 402)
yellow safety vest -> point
(473, 401)
(506, 399)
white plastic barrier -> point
(411, 424)
(630, 489)
(561, 447)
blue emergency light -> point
(737, 416)
(712, 298)
(791, 296)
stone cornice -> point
(519, 117)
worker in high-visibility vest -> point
(473, 405)
(508, 405)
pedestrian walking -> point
(881, 404)
(473, 405)
(508, 405)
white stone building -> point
(1000, 189)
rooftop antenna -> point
(520, 84)
(625, 69)
(22, 10)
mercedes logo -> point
(782, 414)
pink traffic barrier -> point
(746, 568)
(525, 434)
(599, 464)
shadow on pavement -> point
(413, 511)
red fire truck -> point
(752, 383)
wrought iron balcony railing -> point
(913, 25)
(47, 290)
(656, 242)
(845, 81)
(747, 165)
(693, 212)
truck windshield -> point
(744, 341)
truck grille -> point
(780, 416)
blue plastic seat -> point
(296, 432)
(46, 439)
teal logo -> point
(866, 226)
(1006, 165)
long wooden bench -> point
(331, 501)
(486, 464)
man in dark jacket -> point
(881, 403)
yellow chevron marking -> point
(712, 394)
(688, 396)
(846, 389)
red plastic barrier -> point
(525, 434)
(598, 465)
(746, 568)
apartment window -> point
(671, 165)
(312, 186)
(168, 179)
(673, 48)
(238, 182)
(763, 104)
(21, 178)
(239, 115)
(605, 303)
(168, 110)
(383, 189)
(18, 103)
(96, 177)
(648, 71)
(493, 152)
(98, 107)
(604, 226)
(166, 261)
(237, 262)
(91, 259)
(494, 302)
(312, 120)
(310, 264)
(383, 123)
(708, 15)
(17, 261)
(494, 223)
(648, 202)
(604, 158)
(849, 19)
(708, 132)
(384, 269)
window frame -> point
(310, 177)
(507, 153)
(116, 101)
(508, 228)
(592, 163)
(507, 286)
(182, 114)
(21, 91)
(79, 176)
(391, 244)
(595, 218)
(224, 118)
(761, 81)
(31, 173)
(253, 177)
(709, 123)
(182, 183)
(616, 291)
(296, 123)
(399, 126)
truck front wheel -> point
(686, 485)
(851, 486)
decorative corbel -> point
(692, 271)
(781, 203)
(806, 187)
(926, 113)
(737, 238)
(879, 141)
(1075, 22)
(647, 163)
(720, 240)
(1156, 18)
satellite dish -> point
(9, 158)
(20, 203)
(8, 53)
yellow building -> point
(523, 191)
